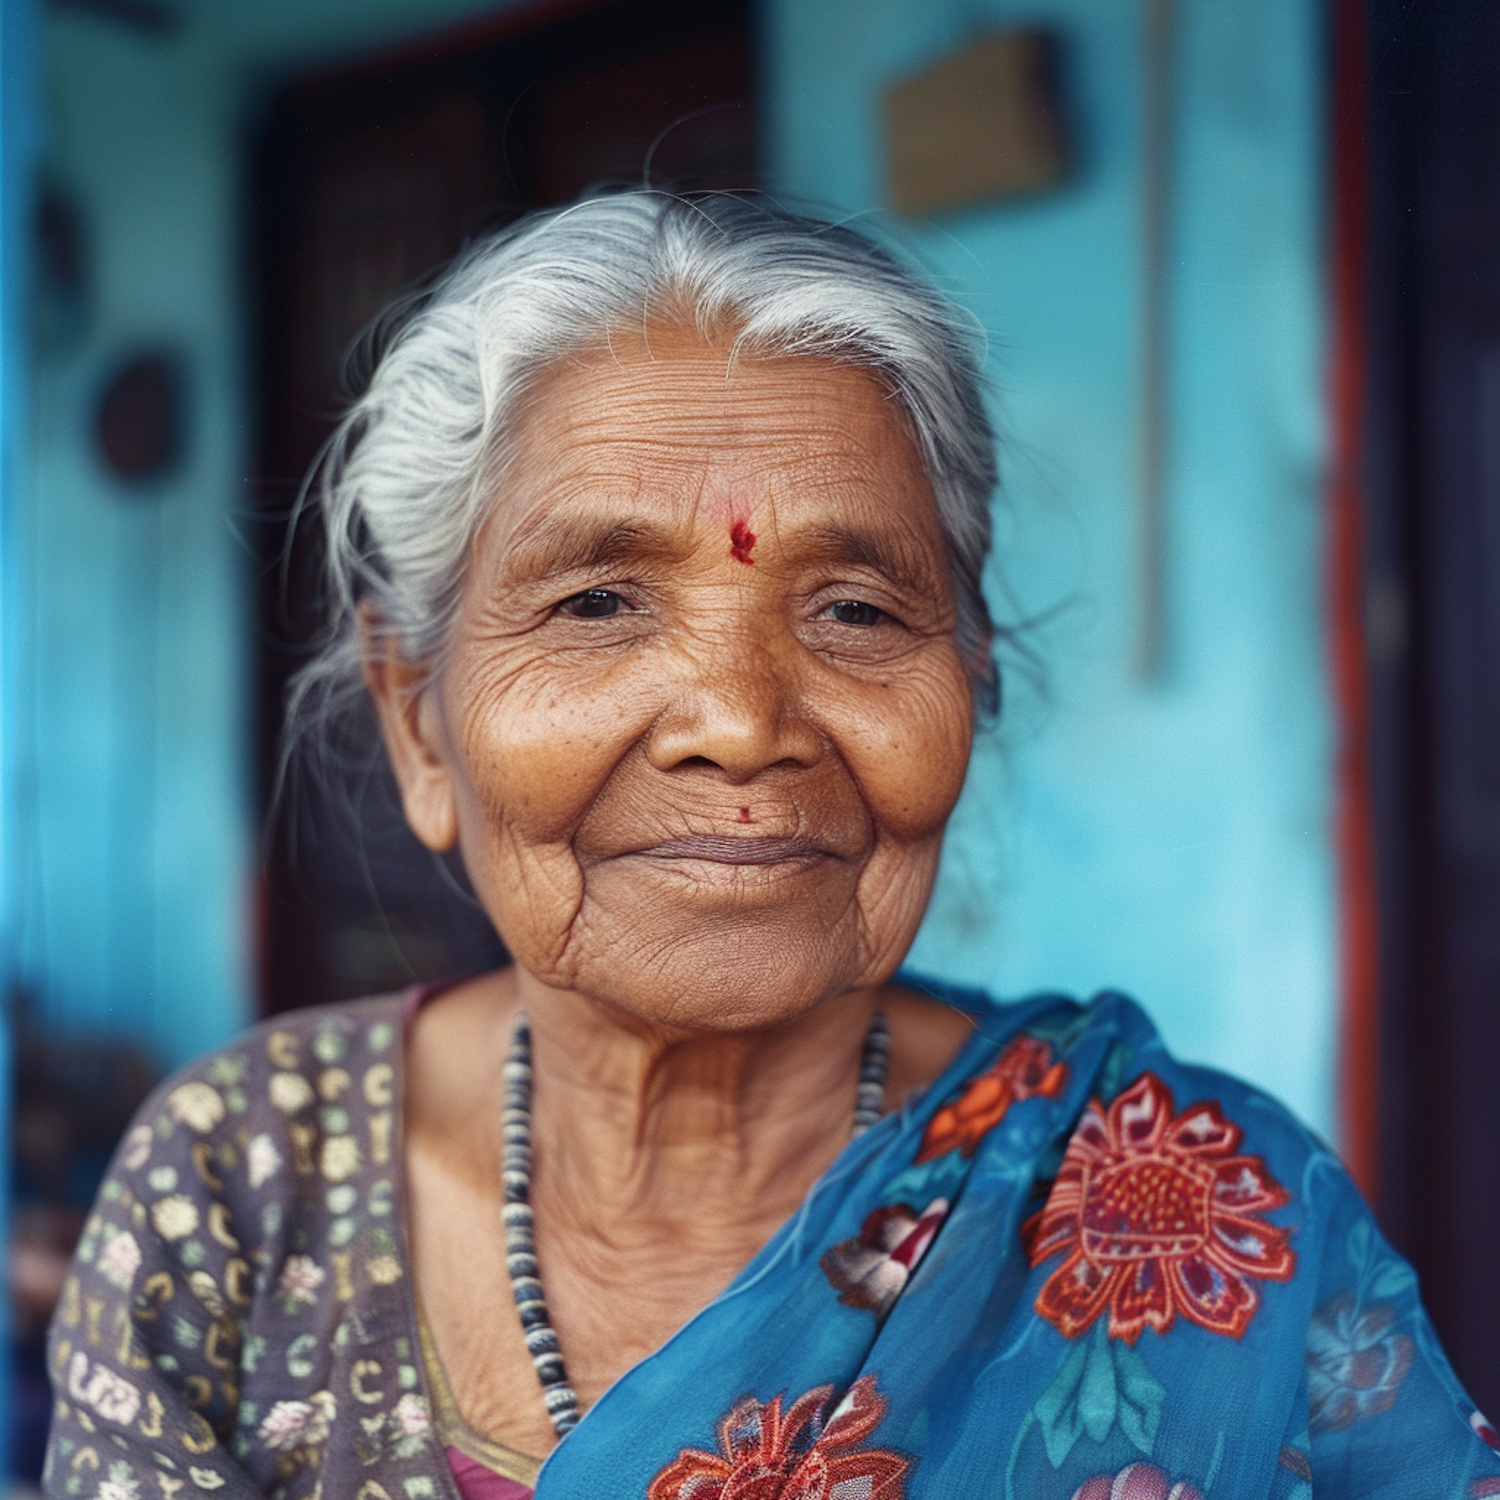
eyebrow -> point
(892, 555)
(562, 539)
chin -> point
(736, 976)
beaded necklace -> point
(515, 1177)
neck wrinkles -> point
(632, 1123)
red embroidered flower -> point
(1024, 1069)
(1157, 1215)
(802, 1455)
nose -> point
(736, 706)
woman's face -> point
(704, 715)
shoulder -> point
(1202, 1108)
(271, 1102)
(1112, 1039)
(1128, 1092)
(312, 1046)
(323, 1061)
(1139, 1047)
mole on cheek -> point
(742, 543)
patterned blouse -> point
(1072, 1267)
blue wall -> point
(18, 132)
(135, 866)
(1169, 837)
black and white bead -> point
(520, 1245)
(515, 1176)
(874, 1064)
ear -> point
(406, 701)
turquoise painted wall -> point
(135, 861)
(1171, 838)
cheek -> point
(535, 752)
(907, 743)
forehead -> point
(674, 422)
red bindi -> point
(741, 543)
(745, 815)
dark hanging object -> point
(61, 292)
(145, 17)
(139, 426)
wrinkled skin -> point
(721, 697)
(699, 730)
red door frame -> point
(1358, 931)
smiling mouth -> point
(725, 849)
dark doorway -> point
(1433, 561)
(366, 180)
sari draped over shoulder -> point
(1072, 1267)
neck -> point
(635, 1124)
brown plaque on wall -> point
(982, 124)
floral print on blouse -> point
(1071, 1268)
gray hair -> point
(405, 483)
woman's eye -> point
(592, 604)
(854, 612)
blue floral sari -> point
(1075, 1268)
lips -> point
(726, 849)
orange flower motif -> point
(803, 1455)
(1025, 1069)
(1157, 1215)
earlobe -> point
(405, 701)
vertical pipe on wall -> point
(1358, 1057)
(1156, 225)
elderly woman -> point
(657, 541)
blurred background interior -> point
(1239, 264)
